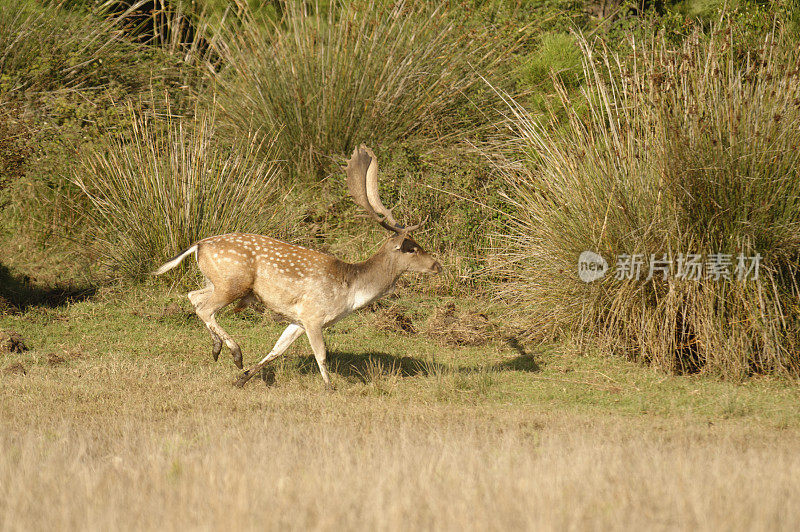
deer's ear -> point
(408, 246)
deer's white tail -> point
(177, 259)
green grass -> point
(444, 416)
(161, 333)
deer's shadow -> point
(525, 360)
(360, 366)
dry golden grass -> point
(296, 459)
(122, 421)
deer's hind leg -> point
(197, 298)
(206, 307)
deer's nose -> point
(436, 268)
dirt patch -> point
(173, 309)
(54, 359)
(11, 342)
(17, 368)
(174, 312)
(395, 320)
(463, 327)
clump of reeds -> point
(672, 149)
(329, 78)
(172, 183)
(185, 30)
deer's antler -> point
(362, 182)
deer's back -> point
(297, 282)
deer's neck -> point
(372, 279)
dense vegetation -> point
(528, 132)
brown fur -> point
(312, 289)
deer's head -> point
(362, 182)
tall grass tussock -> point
(172, 183)
(676, 149)
(351, 72)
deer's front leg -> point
(289, 335)
(318, 346)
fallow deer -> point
(313, 290)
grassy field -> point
(121, 420)
(525, 131)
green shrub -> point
(374, 72)
(170, 185)
(558, 54)
(50, 48)
(688, 149)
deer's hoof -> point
(242, 380)
(237, 357)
